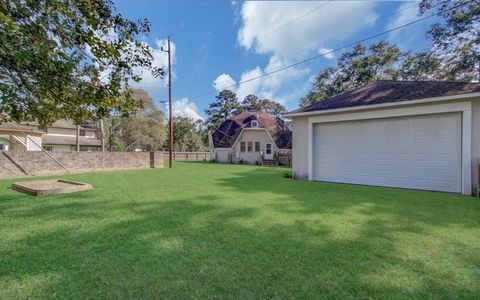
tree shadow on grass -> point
(299, 240)
(203, 249)
(442, 209)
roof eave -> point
(384, 105)
(22, 130)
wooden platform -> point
(50, 187)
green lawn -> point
(222, 231)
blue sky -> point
(221, 42)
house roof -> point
(10, 126)
(391, 91)
(228, 132)
(89, 125)
(69, 140)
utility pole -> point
(170, 153)
(77, 138)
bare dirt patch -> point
(50, 187)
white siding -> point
(68, 132)
(252, 135)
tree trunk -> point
(102, 134)
(77, 140)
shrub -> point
(287, 175)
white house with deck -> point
(62, 136)
(15, 137)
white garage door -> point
(419, 152)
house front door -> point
(268, 151)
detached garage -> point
(415, 135)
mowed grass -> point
(222, 231)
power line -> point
(351, 30)
(298, 18)
(334, 50)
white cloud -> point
(160, 60)
(326, 52)
(268, 86)
(251, 87)
(266, 28)
(292, 30)
(223, 81)
(185, 108)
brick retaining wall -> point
(22, 163)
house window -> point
(82, 132)
(48, 148)
(254, 124)
(2, 147)
(73, 148)
(83, 148)
(242, 146)
(257, 146)
(250, 146)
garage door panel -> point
(421, 152)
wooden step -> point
(269, 162)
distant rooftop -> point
(228, 132)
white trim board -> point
(464, 107)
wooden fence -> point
(188, 155)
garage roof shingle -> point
(391, 91)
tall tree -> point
(68, 59)
(251, 102)
(355, 68)
(113, 133)
(144, 129)
(272, 107)
(187, 135)
(225, 106)
(456, 39)
(454, 54)
(421, 66)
